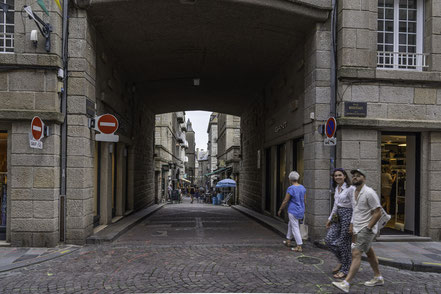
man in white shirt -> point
(367, 212)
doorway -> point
(399, 185)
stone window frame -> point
(7, 27)
(397, 59)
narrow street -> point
(200, 248)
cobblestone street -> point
(200, 248)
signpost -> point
(330, 128)
(107, 125)
(38, 131)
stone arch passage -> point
(254, 59)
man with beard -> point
(367, 212)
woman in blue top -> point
(295, 198)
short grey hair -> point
(293, 176)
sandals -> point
(336, 269)
(340, 275)
(297, 249)
(287, 243)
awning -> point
(185, 180)
(218, 171)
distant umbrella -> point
(226, 183)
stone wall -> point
(434, 187)
(29, 87)
(143, 145)
(251, 177)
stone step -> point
(403, 238)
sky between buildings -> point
(199, 120)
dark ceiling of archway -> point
(234, 47)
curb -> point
(408, 264)
(115, 230)
(40, 259)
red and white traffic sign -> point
(37, 128)
(331, 127)
(107, 124)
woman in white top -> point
(338, 237)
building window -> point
(6, 26)
(400, 35)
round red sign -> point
(107, 124)
(331, 126)
(37, 128)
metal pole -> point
(63, 201)
(333, 87)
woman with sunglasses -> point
(338, 238)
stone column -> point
(316, 111)
(80, 144)
(434, 184)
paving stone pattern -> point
(200, 248)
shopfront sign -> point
(280, 127)
(356, 109)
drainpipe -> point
(63, 185)
(334, 84)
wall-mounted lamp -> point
(34, 37)
(196, 82)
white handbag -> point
(384, 219)
(304, 231)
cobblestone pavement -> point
(200, 248)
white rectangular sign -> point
(106, 137)
(330, 141)
(35, 144)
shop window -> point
(6, 26)
(3, 183)
(398, 188)
(400, 35)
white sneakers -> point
(376, 281)
(344, 286)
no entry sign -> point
(331, 127)
(37, 128)
(107, 124)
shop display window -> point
(393, 179)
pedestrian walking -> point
(338, 238)
(192, 190)
(295, 199)
(367, 212)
